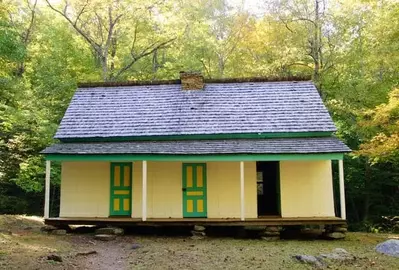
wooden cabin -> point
(192, 151)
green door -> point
(194, 190)
(121, 189)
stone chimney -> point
(191, 80)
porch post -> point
(342, 188)
(47, 190)
(144, 195)
(242, 190)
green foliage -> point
(10, 45)
(382, 123)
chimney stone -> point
(192, 80)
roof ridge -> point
(166, 82)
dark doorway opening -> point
(268, 188)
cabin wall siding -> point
(85, 189)
(306, 189)
(164, 189)
(137, 182)
(224, 190)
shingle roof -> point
(240, 146)
(221, 108)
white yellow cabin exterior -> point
(237, 151)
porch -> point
(261, 221)
(157, 191)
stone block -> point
(389, 247)
(335, 235)
(197, 233)
(58, 232)
(105, 237)
(266, 233)
(199, 228)
(110, 230)
(272, 229)
(48, 228)
(270, 238)
(340, 229)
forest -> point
(350, 49)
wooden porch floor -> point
(276, 221)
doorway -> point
(194, 190)
(121, 187)
(268, 188)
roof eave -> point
(201, 157)
(269, 135)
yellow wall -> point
(224, 189)
(306, 189)
(85, 189)
(164, 189)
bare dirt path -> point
(108, 255)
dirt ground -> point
(23, 246)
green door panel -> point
(194, 190)
(121, 189)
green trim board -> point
(197, 158)
(194, 190)
(204, 137)
(121, 189)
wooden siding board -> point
(306, 188)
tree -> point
(12, 50)
(104, 25)
(23, 20)
(212, 33)
(305, 19)
(383, 123)
(227, 28)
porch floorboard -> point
(261, 221)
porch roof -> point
(322, 145)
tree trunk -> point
(20, 69)
(366, 201)
(317, 43)
(221, 64)
(104, 66)
(155, 64)
(354, 209)
(114, 44)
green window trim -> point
(196, 158)
(268, 135)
